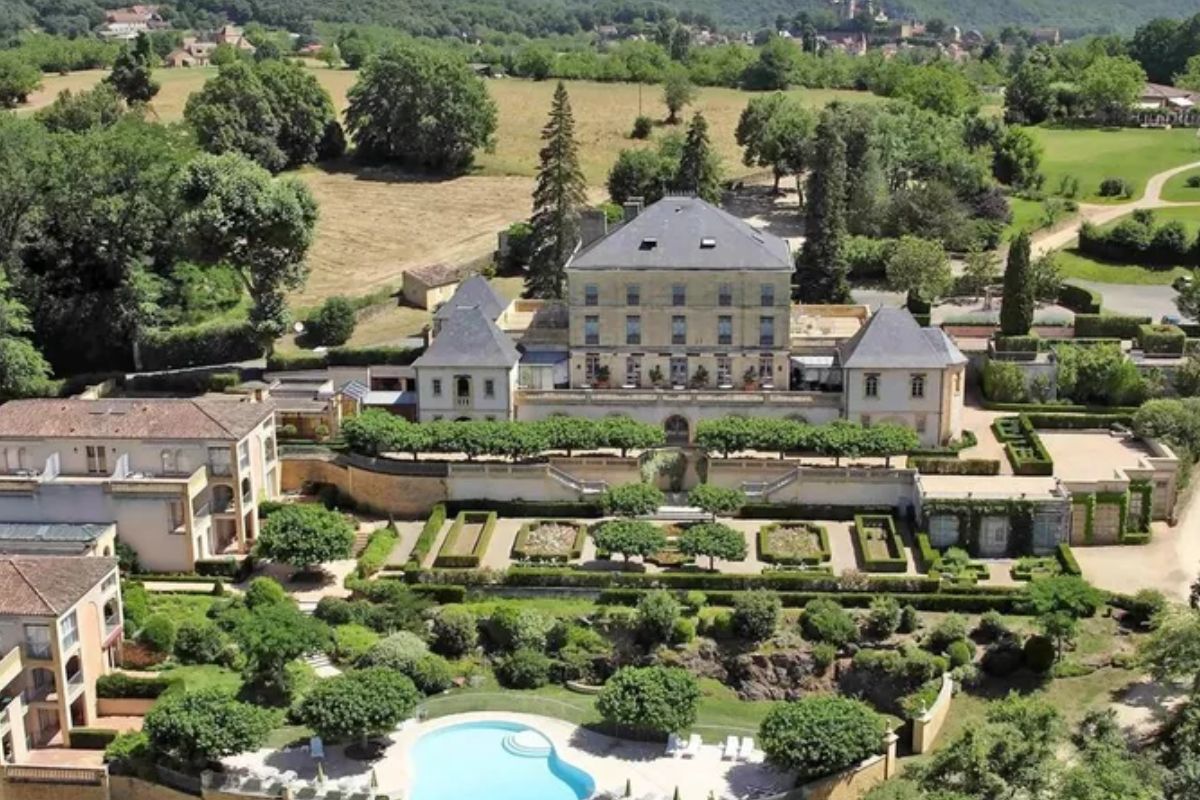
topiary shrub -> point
(960, 652)
(264, 591)
(1039, 653)
(683, 632)
(991, 627)
(820, 735)
(910, 620)
(524, 669)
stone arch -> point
(677, 429)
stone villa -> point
(683, 313)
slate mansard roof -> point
(468, 338)
(685, 233)
(474, 291)
(893, 339)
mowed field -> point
(1093, 154)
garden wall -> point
(838, 486)
(123, 706)
(853, 783)
(927, 726)
(401, 495)
(127, 787)
(53, 783)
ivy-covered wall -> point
(1020, 515)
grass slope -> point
(1093, 154)
(1075, 264)
(1176, 189)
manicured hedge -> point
(1066, 559)
(1098, 326)
(447, 559)
(812, 511)
(563, 509)
(973, 602)
(441, 593)
(955, 466)
(896, 561)
(839, 438)
(91, 738)
(964, 442)
(429, 534)
(375, 555)
(120, 685)
(769, 556)
(519, 550)
(1161, 339)
(186, 382)
(1076, 422)
(236, 569)
(286, 362)
(1080, 299)
(1023, 447)
(1030, 343)
(1056, 408)
(931, 558)
(344, 357)
(202, 344)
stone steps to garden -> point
(321, 665)
(679, 514)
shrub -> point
(304, 535)
(129, 747)
(455, 631)
(649, 702)
(332, 324)
(524, 669)
(642, 127)
(820, 735)
(431, 674)
(1193, 182)
(358, 704)
(955, 466)
(823, 656)
(1004, 657)
(950, 629)
(136, 604)
(883, 618)
(879, 528)
(693, 601)
(1115, 187)
(992, 627)
(92, 738)
(1161, 339)
(199, 643)
(514, 627)
(1080, 299)
(959, 652)
(910, 620)
(756, 615)
(179, 347)
(158, 633)
(399, 651)
(447, 557)
(658, 612)
(1039, 653)
(379, 547)
(1103, 326)
(351, 642)
(826, 621)
(1144, 607)
(264, 591)
(429, 534)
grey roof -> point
(355, 389)
(474, 291)
(53, 532)
(469, 339)
(670, 235)
(893, 339)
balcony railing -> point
(35, 694)
(462, 401)
(111, 622)
(75, 681)
(223, 468)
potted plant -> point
(699, 378)
(656, 376)
(749, 379)
(602, 377)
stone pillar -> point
(889, 754)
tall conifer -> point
(560, 194)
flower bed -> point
(467, 540)
(793, 544)
(880, 548)
(553, 540)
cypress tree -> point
(699, 171)
(560, 193)
(130, 74)
(823, 271)
(1016, 312)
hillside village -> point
(819, 422)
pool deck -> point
(608, 760)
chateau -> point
(683, 312)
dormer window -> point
(708, 243)
(649, 243)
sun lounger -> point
(316, 748)
(693, 746)
(746, 751)
(674, 746)
(730, 749)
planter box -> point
(864, 526)
(769, 554)
(447, 555)
(123, 706)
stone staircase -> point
(321, 665)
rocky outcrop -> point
(779, 675)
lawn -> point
(1176, 189)
(181, 607)
(1075, 264)
(192, 677)
(720, 712)
(1092, 154)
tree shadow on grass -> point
(382, 172)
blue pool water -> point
(493, 761)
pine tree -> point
(130, 74)
(560, 193)
(699, 169)
(1016, 312)
(823, 271)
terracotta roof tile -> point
(46, 586)
(165, 418)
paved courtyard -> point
(1091, 455)
(610, 762)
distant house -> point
(127, 23)
(192, 53)
(487, 70)
(1156, 96)
(431, 285)
(233, 36)
(1052, 36)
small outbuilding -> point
(431, 285)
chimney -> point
(593, 225)
(633, 207)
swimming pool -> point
(493, 760)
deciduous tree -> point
(203, 725)
(305, 535)
(649, 700)
(629, 537)
(919, 267)
(359, 704)
(820, 735)
(678, 92)
(714, 540)
(131, 73)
